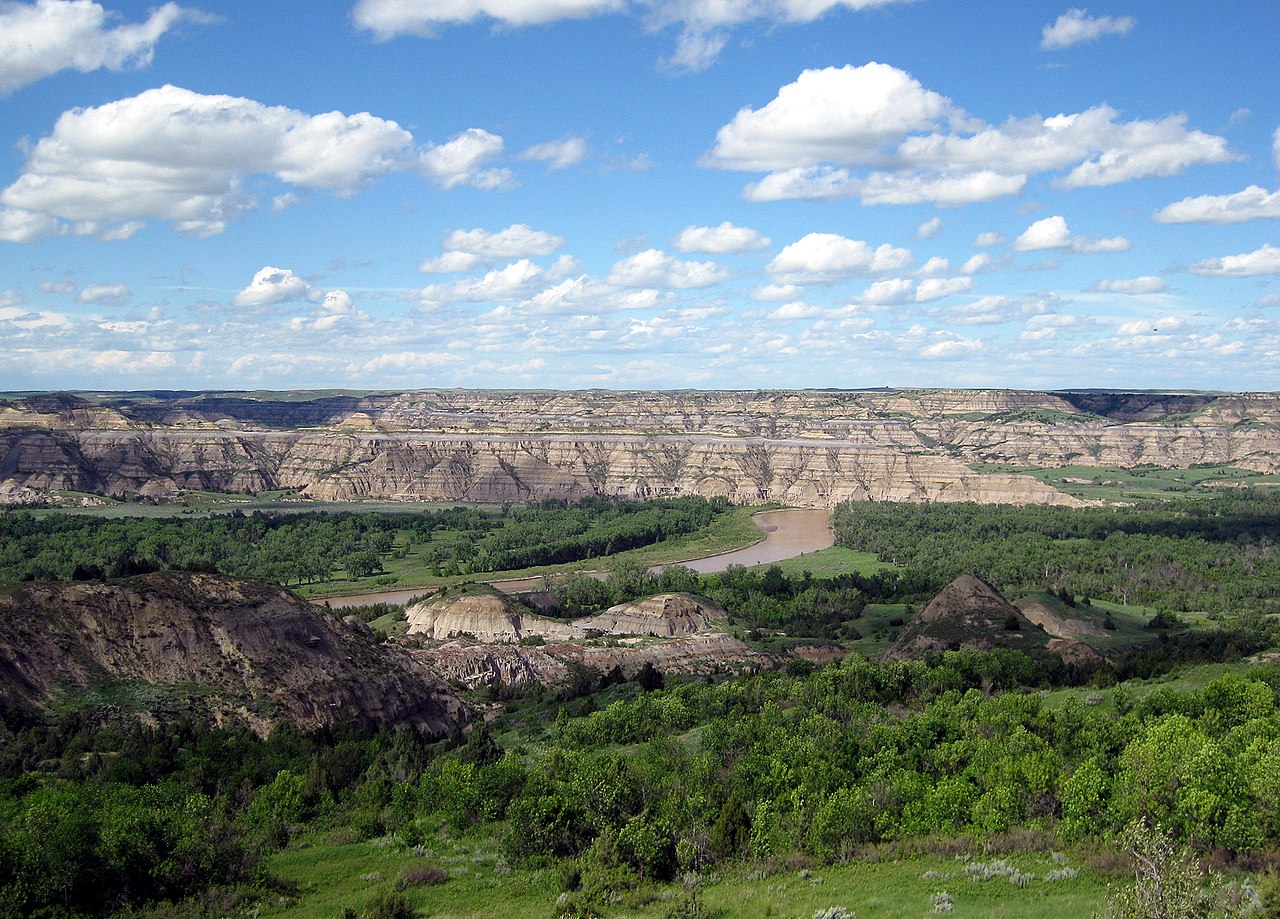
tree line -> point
(1219, 555)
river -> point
(787, 533)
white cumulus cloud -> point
(725, 239)
(827, 257)
(558, 154)
(40, 39)
(846, 115)
(889, 291)
(1254, 203)
(173, 154)
(1265, 260)
(1076, 26)
(389, 18)
(876, 133)
(463, 250)
(797, 309)
(273, 285)
(463, 159)
(952, 348)
(110, 294)
(654, 268)
(937, 288)
(703, 24)
(929, 229)
(514, 281)
(1053, 233)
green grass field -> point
(829, 563)
(328, 878)
(1141, 483)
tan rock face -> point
(808, 449)
(250, 646)
(663, 616)
(474, 664)
(489, 616)
(1058, 626)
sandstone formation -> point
(485, 614)
(228, 647)
(663, 616)
(472, 664)
(808, 449)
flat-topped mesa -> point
(807, 449)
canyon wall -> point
(808, 449)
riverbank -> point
(785, 533)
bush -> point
(389, 905)
(421, 874)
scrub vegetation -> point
(976, 783)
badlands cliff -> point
(231, 648)
(808, 449)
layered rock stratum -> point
(486, 614)
(807, 449)
(226, 647)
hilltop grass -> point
(328, 878)
(1140, 483)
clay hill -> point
(811, 448)
(230, 648)
(967, 613)
(970, 613)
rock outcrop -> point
(473, 664)
(808, 449)
(485, 614)
(1067, 628)
(236, 648)
(482, 613)
(663, 616)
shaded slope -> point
(248, 649)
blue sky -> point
(383, 194)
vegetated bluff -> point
(235, 649)
(808, 448)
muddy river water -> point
(787, 533)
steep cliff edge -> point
(808, 449)
(244, 649)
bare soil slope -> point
(967, 613)
(248, 649)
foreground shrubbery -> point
(652, 785)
